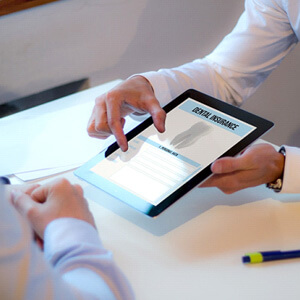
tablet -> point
(159, 168)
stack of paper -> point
(52, 137)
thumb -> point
(23, 203)
(228, 165)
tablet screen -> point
(157, 165)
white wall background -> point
(107, 39)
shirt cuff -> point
(159, 85)
(65, 233)
(291, 175)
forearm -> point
(24, 273)
(83, 262)
(260, 40)
(76, 271)
(201, 74)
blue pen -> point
(258, 257)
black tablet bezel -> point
(262, 126)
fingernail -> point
(123, 148)
(216, 168)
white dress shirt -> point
(265, 33)
(74, 264)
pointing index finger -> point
(116, 123)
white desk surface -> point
(193, 250)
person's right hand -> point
(58, 199)
(133, 95)
(258, 164)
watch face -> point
(276, 185)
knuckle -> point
(79, 188)
(100, 100)
(90, 129)
(113, 96)
(32, 213)
(100, 127)
(64, 181)
(161, 114)
(61, 183)
(113, 122)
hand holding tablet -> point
(159, 168)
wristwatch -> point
(277, 184)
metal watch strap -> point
(277, 184)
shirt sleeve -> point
(76, 264)
(291, 175)
(75, 250)
(262, 37)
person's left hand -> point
(58, 199)
(257, 165)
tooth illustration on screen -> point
(191, 135)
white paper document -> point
(52, 135)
